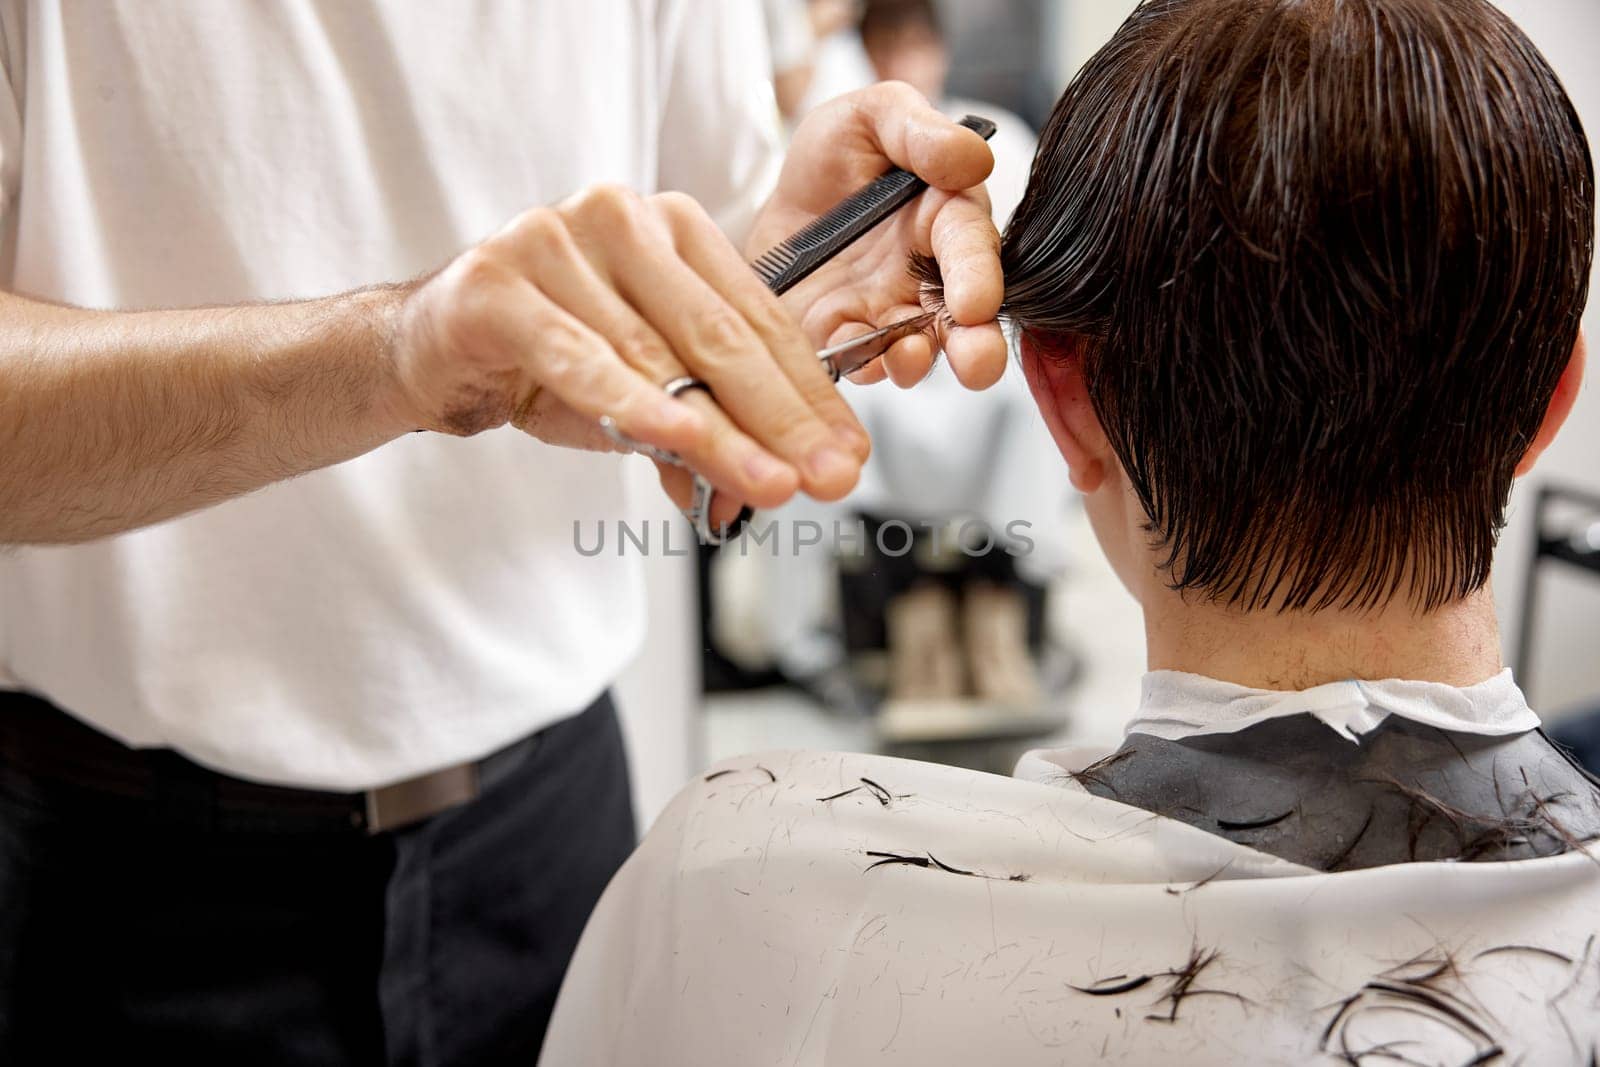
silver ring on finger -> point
(685, 383)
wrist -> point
(378, 313)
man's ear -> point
(1056, 379)
(1561, 402)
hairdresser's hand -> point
(844, 145)
(588, 308)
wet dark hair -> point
(883, 19)
(1323, 262)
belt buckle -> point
(415, 799)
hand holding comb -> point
(782, 268)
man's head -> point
(905, 43)
(1299, 283)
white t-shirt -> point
(423, 604)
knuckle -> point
(476, 271)
(807, 425)
(541, 229)
(724, 334)
(824, 399)
(797, 430)
(683, 215)
(584, 376)
(788, 427)
(471, 290)
(611, 205)
(678, 205)
(642, 349)
(769, 319)
(797, 439)
(560, 370)
(562, 350)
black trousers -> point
(156, 931)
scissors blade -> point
(852, 355)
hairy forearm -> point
(113, 420)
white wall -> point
(1081, 27)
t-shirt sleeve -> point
(720, 131)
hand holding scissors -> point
(839, 361)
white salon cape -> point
(424, 604)
(803, 908)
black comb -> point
(786, 265)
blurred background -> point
(956, 607)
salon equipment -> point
(846, 358)
(782, 268)
(1566, 530)
(786, 265)
(839, 360)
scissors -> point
(784, 266)
(838, 360)
(850, 356)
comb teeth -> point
(786, 265)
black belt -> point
(46, 748)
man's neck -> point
(1458, 644)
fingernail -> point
(827, 464)
(760, 467)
